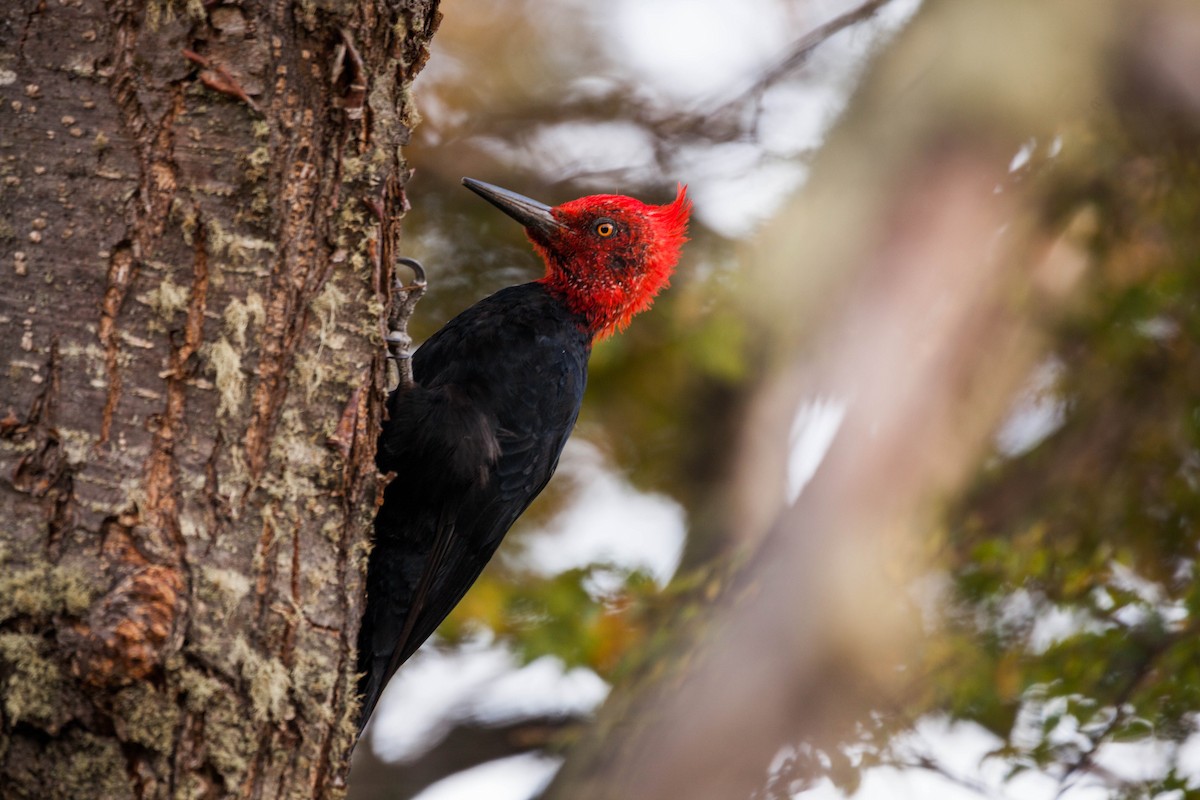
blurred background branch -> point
(468, 744)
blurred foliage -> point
(559, 616)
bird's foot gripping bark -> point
(399, 344)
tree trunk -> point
(198, 215)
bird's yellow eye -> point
(605, 228)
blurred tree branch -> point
(715, 120)
(468, 744)
(798, 57)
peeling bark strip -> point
(121, 270)
(180, 585)
(351, 423)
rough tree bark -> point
(197, 216)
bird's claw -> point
(399, 344)
(406, 295)
(418, 272)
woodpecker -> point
(495, 393)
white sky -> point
(813, 428)
(682, 48)
(514, 778)
(1039, 412)
(608, 521)
(480, 681)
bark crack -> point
(161, 484)
(120, 274)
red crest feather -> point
(610, 275)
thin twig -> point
(805, 46)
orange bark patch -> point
(131, 630)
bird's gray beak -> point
(535, 216)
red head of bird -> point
(606, 255)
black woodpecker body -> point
(496, 393)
